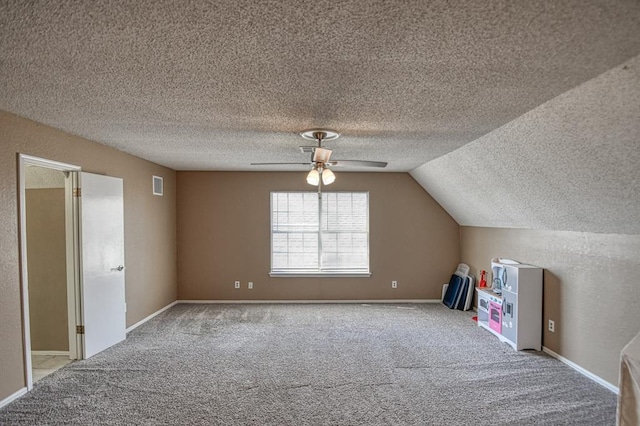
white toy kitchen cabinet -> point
(515, 316)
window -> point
(312, 235)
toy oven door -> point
(495, 317)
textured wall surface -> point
(570, 164)
(590, 288)
(40, 177)
(223, 235)
(150, 225)
(46, 251)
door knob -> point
(119, 268)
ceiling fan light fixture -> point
(313, 178)
(328, 177)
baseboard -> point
(226, 301)
(158, 312)
(582, 371)
(51, 353)
(13, 397)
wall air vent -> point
(158, 186)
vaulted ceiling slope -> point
(571, 164)
(217, 85)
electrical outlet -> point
(552, 326)
(250, 285)
(237, 284)
(394, 284)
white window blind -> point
(329, 235)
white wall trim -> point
(24, 271)
(158, 312)
(49, 164)
(24, 161)
(72, 247)
(13, 397)
(226, 301)
(582, 371)
(51, 353)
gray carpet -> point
(314, 365)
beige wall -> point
(223, 235)
(150, 228)
(590, 287)
(46, 251)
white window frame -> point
(319, 272)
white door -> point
(102, 262)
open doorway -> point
(71, 248)
(49, 319)
(49, 268)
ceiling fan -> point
(321, 163)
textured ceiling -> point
(571, 164)
(217, 85)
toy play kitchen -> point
(511, 308)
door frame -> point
(72, 255)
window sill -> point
(319, 275)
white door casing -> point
(102, 262)
(24, 161)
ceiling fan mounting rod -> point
(319, 136)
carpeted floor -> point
(333, 364)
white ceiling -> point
(198, 85)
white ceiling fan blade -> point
(281, 164)
(321, 155)
(356, 163)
